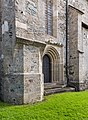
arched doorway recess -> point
(51, 65)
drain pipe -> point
(67, 75)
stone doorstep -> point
(58, 90)
(53, 85)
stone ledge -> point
(80, 51)
(80, 11)
(84, 25)
(29, 41)
(37, 42)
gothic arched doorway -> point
(47, 68)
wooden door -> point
(47, 69)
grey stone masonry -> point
(7, 45)
(73, 46)
(78, 32)
(24, 42)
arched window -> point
(49, 17)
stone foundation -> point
(83, 86)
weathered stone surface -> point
(78, 53)
(24, 42)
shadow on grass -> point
(4, 105)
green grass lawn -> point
(66, 106)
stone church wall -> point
(7, 36)
(78, 27)
(24, 42)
